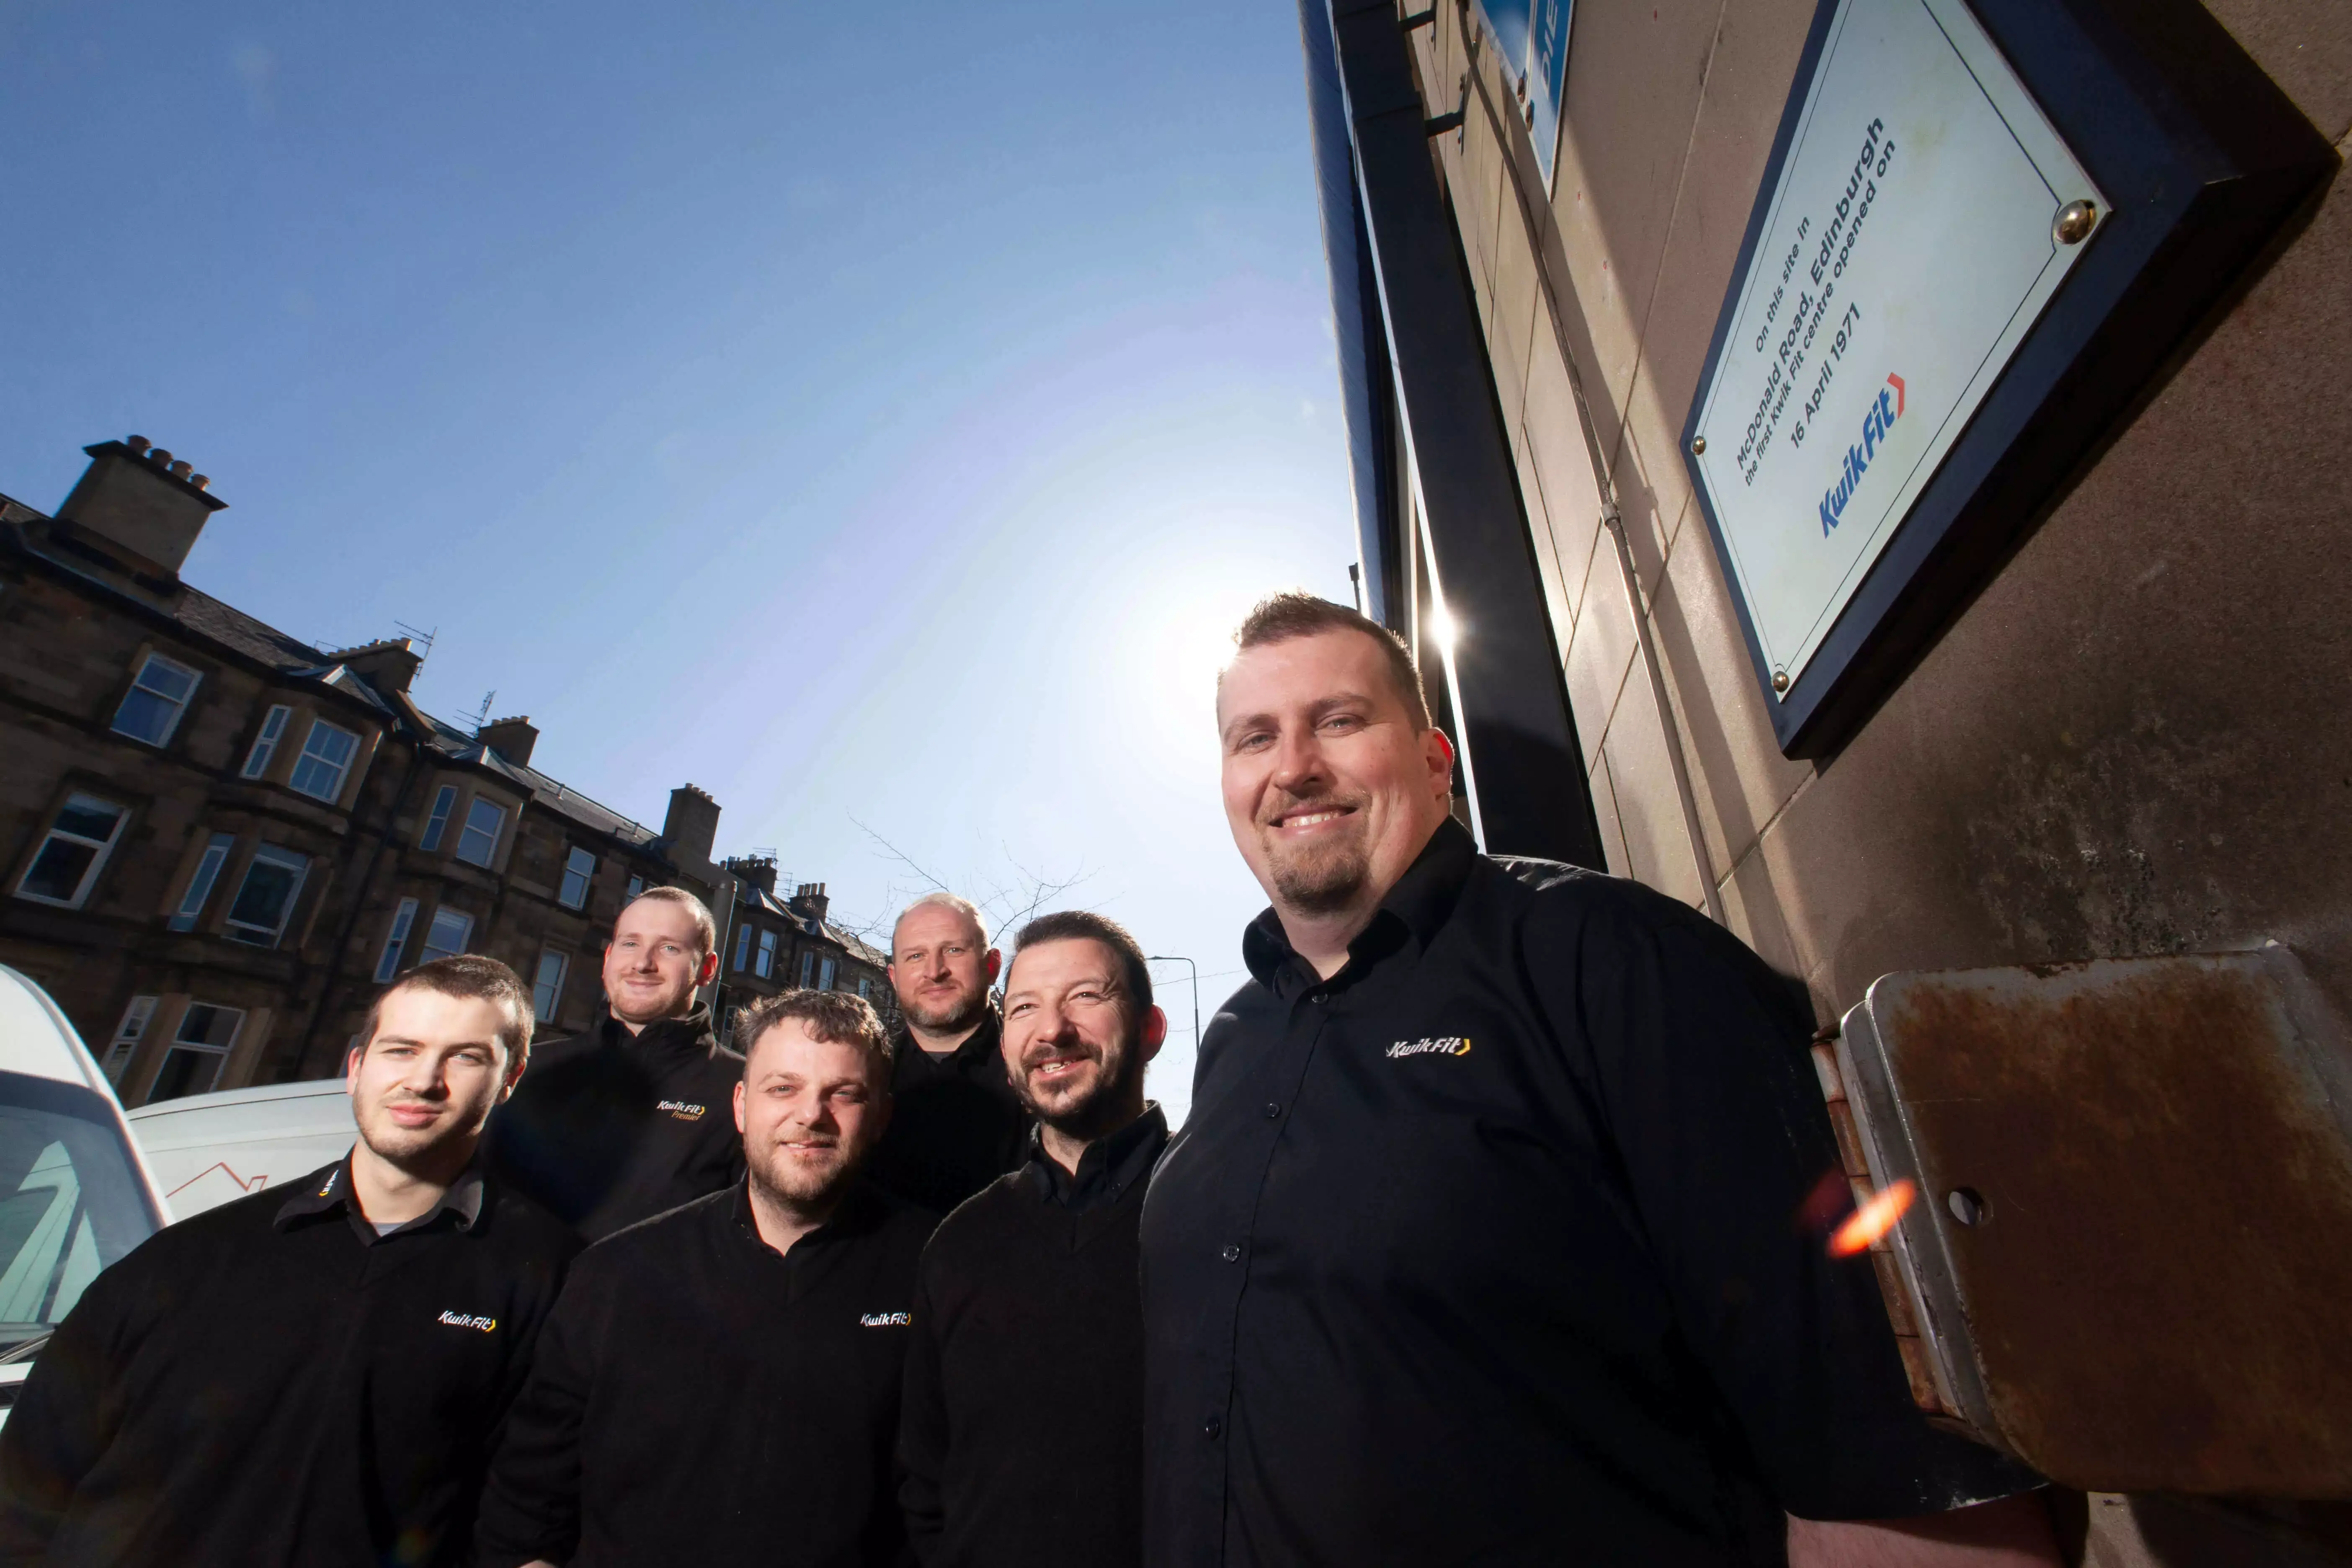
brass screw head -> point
(1698, 446)
(2075, 222)
(1779, 680)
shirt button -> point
(1212, 1428)
(1272, 1111)
(1232, 1252)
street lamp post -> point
(1178, 958)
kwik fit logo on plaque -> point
(1925, 213)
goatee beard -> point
(1324, 884)
(1100, 1112)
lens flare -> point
(1872, 1220)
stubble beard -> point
(947, 1020)
(1323, 878)
(406, 1148)
(1098, 1113)
(789, 1187)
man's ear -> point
(709, 969)
(739, 1105)
(995, 963)
(516, 1062)
(1155, 1031)
(352, 1068)
(1437, 752)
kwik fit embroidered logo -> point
(684, 1110)
(467, 1321)
(1884, 410)
(883, 1320)
(1450, 1045)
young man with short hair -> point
(957, 1125)
(1481, 1242)
(315, 1379)
(1021, 1441)
(719, 1385)
(623, 1122)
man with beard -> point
(719, 1385)
(312, 1380)
(956, 1124)
(1021, 1443)
(621, 1123)
(1479, 1244)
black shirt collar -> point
(978, 1049)
(1107, 1167)
(1413, 910)
(857, 1214)
(330, 1190)
(688, 1036)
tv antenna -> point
(483, 717)
(421, 637)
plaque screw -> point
(1779, 680)
(1698, 446)
(2075, 222)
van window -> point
(70, 1202)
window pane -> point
(186, 1072)
(743, 947)
(636, 886)
(450, 932)
(326, 758)
(578, 868)
(444, 802)
(69, 856)
(547, 991)
(205, 1025)
(824, 977)
(266, 896)
(767, 953)
(478, 844)
(388, 964)
(151, 710)
(808, 969)
(264, 745)
(200, 886)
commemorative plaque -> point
(1945, 291)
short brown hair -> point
(1298, 614)
(834, 1016)
(706, 929)
(473, 978)
(1085, 925)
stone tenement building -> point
(775, 944)
(221, 842)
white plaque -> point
(1910, 242)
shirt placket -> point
(1310, 1014)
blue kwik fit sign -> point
(1884, 410)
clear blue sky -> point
(869, 413)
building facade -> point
(2116, 735)
(773, 945)
(223, 842)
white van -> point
(74, 1193)
(206, 1149)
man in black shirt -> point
(956, 1124)
(1021, 1442)
(624, 1123)
(719, 1385)
(313, 1380)
(1480, 1244)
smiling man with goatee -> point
(1481, 1243)
(1022, 1444)
(719, 1384)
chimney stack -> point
(759, 871)
(142, 502)
(692, 826)
(810, 902)
(388, 665)
(512, 739)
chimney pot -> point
(158, 455)
(182, 468)
(200, 482)
(137, 444)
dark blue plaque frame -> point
(2205, 161)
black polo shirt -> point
(955, 1123)
(609, 1128)
(1021, 1445)
(1487, 1249)
(272, 1382)
(701, 1398)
